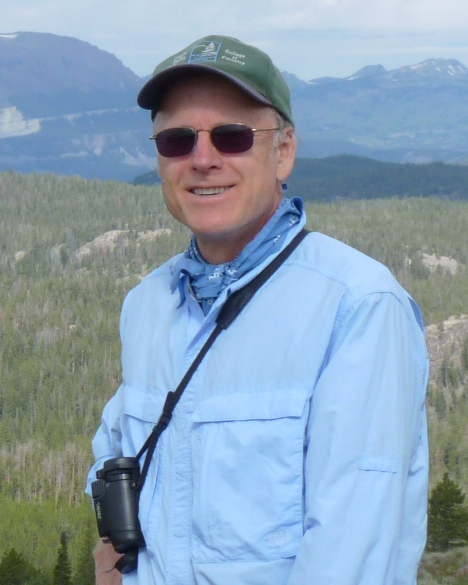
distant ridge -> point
(68, 107)
(368, 71)
(346, 177)
(350, 177)
(64, 75)
(433, 70)
(416, 113)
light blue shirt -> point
(298, 452)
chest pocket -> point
(247, 475)
(140, 411)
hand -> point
(105, 558)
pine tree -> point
(448, 517)
(15, 569)
(62, 569)
(85, 566)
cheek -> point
(170, 180)
(264, 175)
(170, 199)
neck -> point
(221, 251)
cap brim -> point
(152, 92)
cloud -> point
(388, 15)
(303, 36)
(179, 18)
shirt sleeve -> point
(365, 471)
(107, 442)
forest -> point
(70, 249)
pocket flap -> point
(251, 406)
(141, 404)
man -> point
(297, 453)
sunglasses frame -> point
(215, 133)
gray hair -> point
(282, 125)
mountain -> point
(368, 71)
(70, 108)
(415, 113)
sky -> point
(309, 38)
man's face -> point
(225, 199)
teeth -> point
(211, 191)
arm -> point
(365, 486)
(106, 444)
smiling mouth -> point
(210, 191)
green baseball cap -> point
(245, 66)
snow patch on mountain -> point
(433, 69)
(139, 159)
(13, 123)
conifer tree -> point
(15, 570)
(448, 517)
(62, 569)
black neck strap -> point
(228, 313)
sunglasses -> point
(226, 138)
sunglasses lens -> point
(227, 138)
(176, 141)
(232, 138)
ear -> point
(286, 153)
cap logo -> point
(237, 58)
(205, 52)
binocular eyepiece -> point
(116, 499)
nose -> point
(205, 156)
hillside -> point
(68, 107)
(69, 251)
(64, 75)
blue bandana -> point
(206, 281)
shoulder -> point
(362, 284)
(356, 275)
(338, 262)
(156, 285)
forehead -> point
(205, 95)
